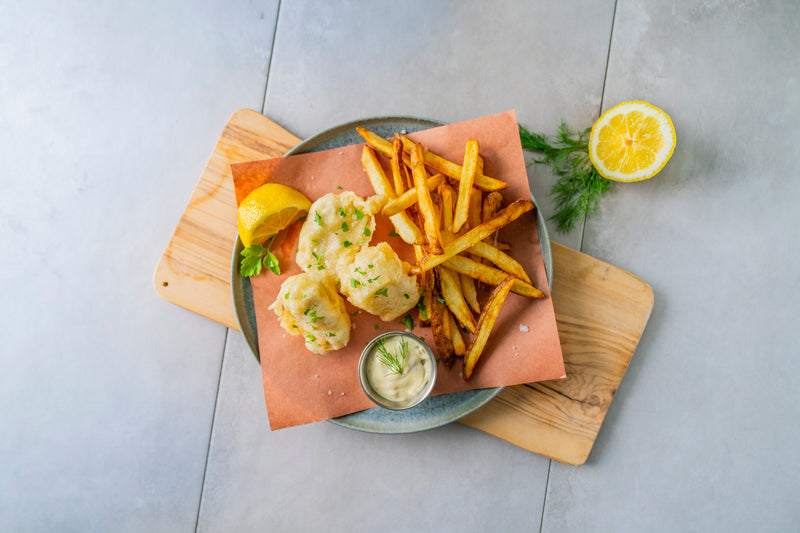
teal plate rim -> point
(435, 411)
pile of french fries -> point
(450, 214)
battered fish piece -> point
(308, 305)
(337, 227)
(378, 282)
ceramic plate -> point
(435, 411)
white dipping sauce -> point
(417, 369)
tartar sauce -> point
(399, 368)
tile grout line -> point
(583, 226)
(544, 500)
(602, 99)
(211, 431)
(271, 55)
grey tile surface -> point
(324, 477)
(703, 433)
(109, 112)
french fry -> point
(475, 204)
(452, 170)
(468, 171)
(451, 292)
(485, 324)
(409, 198)
(439, 164)
(377, 142)
(443, 344)
(500, 259)
(405, 227)
(489, 275)
(447, 319)
(491, 205)
(446, 192)
(459, 346)
(470, 292)
(397, 167)
(424, 202)
(477, 234)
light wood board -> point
(601, 310)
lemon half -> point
(631, 141)
(269, 209)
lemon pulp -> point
(631, 141)
(269, 209)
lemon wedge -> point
(631, 141)
(269, 209)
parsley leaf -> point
(382, 292)
(359, 214)
(408, 322)
(256, 256)
(318, 218)
(394, 234)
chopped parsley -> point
(408, 322)
(359, 214)
(345, 227)
(423, 313)
(394, 234)
(355, 283)
(347, 244)
(367, 232)
(342, 212)
(318, 218)
(382, 292)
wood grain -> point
(601, 310)
(601, 313)
(194, 271)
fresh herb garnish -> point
(423, 312)
(393, 362)
(345, 227)
(318, 218)
(382, 292)
(255, 256)
(359, 214)
(408, 322)
(347, 244)
(355, 283)
(342, 212)
(393, 233)
(367, 232)
(579, 185)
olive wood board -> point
(601, 310)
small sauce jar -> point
(397, 370)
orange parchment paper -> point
(301, 387)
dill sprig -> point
(579, 185)
(393, 362)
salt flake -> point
(523, 328)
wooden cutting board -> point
(601, 310)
